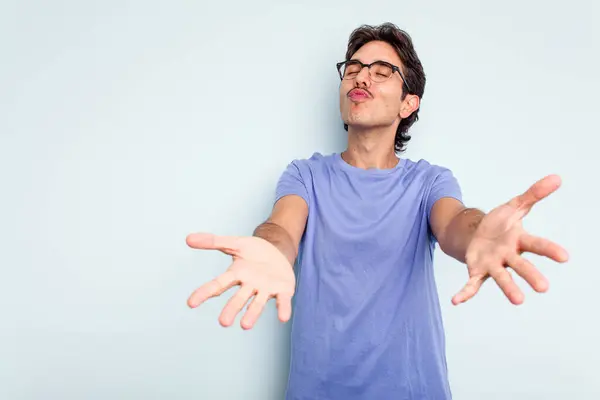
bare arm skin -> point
(454, 225)
(285, 226)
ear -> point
(410, 103)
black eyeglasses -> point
(379, 71)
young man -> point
(362, 226)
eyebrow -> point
(399, 65)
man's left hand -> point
(499, 242)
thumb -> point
(208, 241)
(535, 193)
(469, 290)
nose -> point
(363, 78)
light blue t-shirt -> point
(366, 322)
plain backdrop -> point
(126, 125)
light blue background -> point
(124, 126)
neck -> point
(371, 148)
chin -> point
(357, 120)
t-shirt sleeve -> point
(445, 184)
(291, 182)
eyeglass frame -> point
(363, 65)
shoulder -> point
(426, 170)
(303, 170)
(314, 160)
(313, 163)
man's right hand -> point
(258, 267)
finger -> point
(469, 290)
(254, 310)
(526, 270)
(235, 305)
(284, 307)
(543, 247)
(536, 192)
(216, 287)
(209, 241)
(508, 285)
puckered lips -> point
(359, 95)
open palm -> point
(258, 267)
(499, 242)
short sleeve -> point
(444, 184)
(291, 182)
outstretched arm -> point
(454, 225)
(285, 226)
(488, 243)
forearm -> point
(459, 232)
(278, 237)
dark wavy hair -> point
(411, 66)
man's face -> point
(367, 104)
